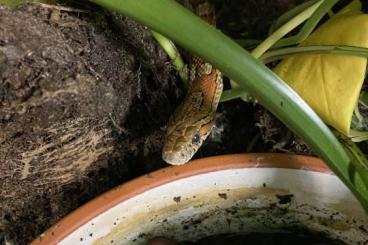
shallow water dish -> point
(224, 194)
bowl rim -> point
(132, 188)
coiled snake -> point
(194, 119)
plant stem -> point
(288, 15)
(315, 49)
(279, 33)
(309, 26)
(285, 29)
(357, 157)
(234, 93)
(174, 54)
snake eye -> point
(196, 139)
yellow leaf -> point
(331, 83)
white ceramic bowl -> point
(216, 195)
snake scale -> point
(193, 120)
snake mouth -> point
(175, 158)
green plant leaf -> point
(285, 17)
(331, 83)
(313, 49)
(356, 155)
(180, 25)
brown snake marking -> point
(194, 119)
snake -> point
(192, 121)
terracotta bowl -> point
(224, 194)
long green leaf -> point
(189, 31)
(285, 17)
(315, 49)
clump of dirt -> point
(277, 137)
(84, 100)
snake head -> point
(182, 142)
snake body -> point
(193, 120)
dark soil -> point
(300, 238)
(84, 100)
